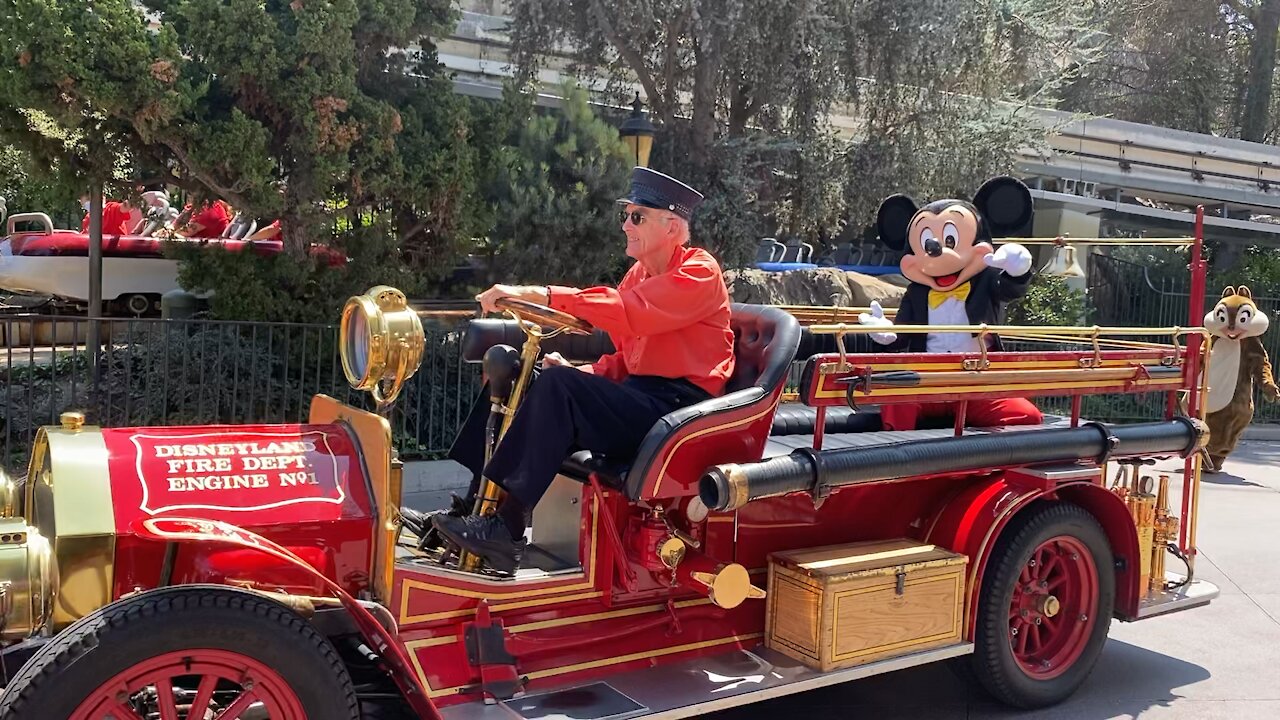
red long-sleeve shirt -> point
(115, 220)
(674, 324)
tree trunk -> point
(741, 108)
(706, 72)
(1262, 69)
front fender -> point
(380, 638)
(971, 522)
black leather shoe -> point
(428, 535)
(485, 536)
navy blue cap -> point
(651, 188)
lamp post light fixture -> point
(637, 132)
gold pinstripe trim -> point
(977, 390)
(591, 664)
(590, 581)
(469, 612)
(560, 622)
(662, 471)
(1066, 364)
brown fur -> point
(1229, 423)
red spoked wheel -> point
(190, 684)
(185, 653)
(1045, 606)
(1054, 607)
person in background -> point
(270, 232)
(118, 218)
(209, 221)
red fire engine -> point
(755, 546)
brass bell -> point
(1063, 263)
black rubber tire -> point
(93, 649)
(993, 662)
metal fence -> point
(175, 372)
(1126, 293)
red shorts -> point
(980, 413)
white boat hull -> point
(68, 277)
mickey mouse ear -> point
(1005, 203)
(892, 219)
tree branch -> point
(633, 60)
(229, 194)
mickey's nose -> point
(932, 247)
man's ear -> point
(1005, 204)
(892, 220)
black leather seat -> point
(797, 419)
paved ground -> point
(1220, 661)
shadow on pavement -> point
(1127, 681)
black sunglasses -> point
(636, 217)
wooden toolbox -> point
(842, 605)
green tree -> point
(321, 114)
(554, 197)
(757, 80)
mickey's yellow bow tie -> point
(937, 297)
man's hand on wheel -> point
(529, 293)
(554, 359)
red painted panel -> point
(302, 486)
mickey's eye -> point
(930, 243)
(950, 235)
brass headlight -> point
(27, 569)
(381, 341)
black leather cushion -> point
(484, 333)
(764, 345)
(797, 419)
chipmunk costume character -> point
(1237, 360)
(957, 278)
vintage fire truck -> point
(757, 545)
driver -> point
(668, 319)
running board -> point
(1193, 594)
(688, 688)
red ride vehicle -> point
(753, 548)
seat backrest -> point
(769, 250)
(685, 441)
(764, 344)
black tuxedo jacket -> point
(990, 291)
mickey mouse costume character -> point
(957, 278)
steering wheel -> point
(544, 316)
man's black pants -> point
(566, 410)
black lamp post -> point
(637, 132)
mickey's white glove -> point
(1011, 258)
(877, 319)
